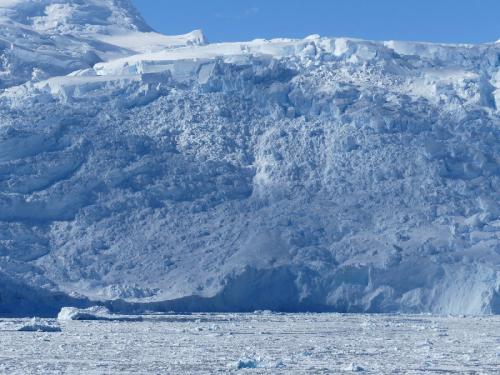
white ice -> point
(257, 344)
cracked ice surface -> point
(259, 343)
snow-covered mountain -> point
(165, 173)
(45, 38)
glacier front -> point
(147, 172)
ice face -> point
(324, 174)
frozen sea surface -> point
(260, 343)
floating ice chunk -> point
(37, 325)
(252, 363)
(263, 312)
(280, 364)
(247, 363)
(93, 313)
(354, 368)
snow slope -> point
(324, 174)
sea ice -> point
(38, 325)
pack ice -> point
(146, 172)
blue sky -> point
(452, 21)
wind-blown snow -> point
(323, 174)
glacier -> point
(145, 172)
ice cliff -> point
(153, 172)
